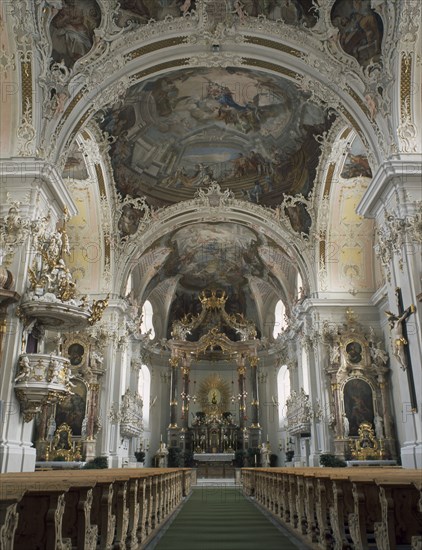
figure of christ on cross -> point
(400, 341)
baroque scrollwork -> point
(393, 233)
(15, 229)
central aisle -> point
(222, 519)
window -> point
(280, 319)
(299, 285)
(144, 390)
(129, 285)
(147, 314)
(283, 388)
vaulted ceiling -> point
(257, 124)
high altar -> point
(224, 339)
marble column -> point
(174, 362)
(241, 371)
(255, 427)
(185, 367)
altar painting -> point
(358, 404)
(72, 410)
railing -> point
(339, 508)
(115, 508)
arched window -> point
(147, 314)
(279, 318)
(305, 371)
(283, 388)
(129, 285)
(144, 390)
(299, 285)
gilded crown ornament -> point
(213, 299)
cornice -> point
(395, 174)
(25, 169)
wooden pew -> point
(111, 508)
(342, 507)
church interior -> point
(210, 259)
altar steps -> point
(216, 482)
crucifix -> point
(401, 344)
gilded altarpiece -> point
(79, 411)
(359, 381)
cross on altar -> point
(401, 344)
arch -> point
(164, 60)
(235, 211)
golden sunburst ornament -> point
(214, 395)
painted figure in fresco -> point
(72, 30)
(360, 30)
(129, 220)
(256, 192)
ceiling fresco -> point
(292, 12)
(356, 163)
(141, 11)
(253, 132)
(72, 30)
(360, 30)
(216, 255)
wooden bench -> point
(88, 508)
(342, 507)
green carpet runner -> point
(222, 519)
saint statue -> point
(379, 426)
(346, 425)
(265, 455)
